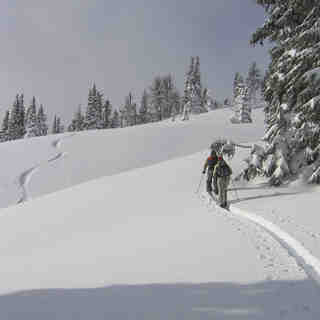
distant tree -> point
(16, 128)
(157, 99)
(115, 120)
(238, 80)
(60, 126)
(242, 107)
(144, 112)
(57, 126)
(253, 83)
(42, 127)
(93, 116)
(194, 96)
(4, 134)
(129, 112)
(31, 120)
(106, 115)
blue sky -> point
(55, 50)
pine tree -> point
(144, 115)
(253, 83)
(22, 124)
(93, 116)
(42, 127)
(59, 125)
(4, 133)
(31, 120)
(157, 99)
(292, 87)
(193, 91)
(54, 126)
(241, 106)
(238, 81)
(106, 114)
(77, 123)
(16, 124)
(115, 120)
(129, 112)
(79, 120)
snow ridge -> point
(25, 177)
(304, 258)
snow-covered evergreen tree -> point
(57, 126)
(157, 99)
(292, 88)
(253, 83)
(115, 120)
(4, 133)
(106, 114)
(31, 120)
(16, 128)
(238, 81)
(93, 116)
(42, 127)
(186, 111)
(129, 112)
(54, 126)
(77, 123)
(242, 107)
(144, 112)
(194, 97)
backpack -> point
(212, 161)
(223, 170)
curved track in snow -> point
(303, 258)
(309, 263)
(25, 177)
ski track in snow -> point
(271, 241)
(277, 263)
(309, 263)
(25, 177)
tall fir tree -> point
(144, 113)
(238, 80)
(77, 123)
(253, 82)
(106, 115)
(193, 89)
(42, 127)
(115, 119)
(31, 120)
(4, 133)
(129, 111)
(292, 87)
(93, 116)
(157, 99)
(16, 128)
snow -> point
(109, 226)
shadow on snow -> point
(264, 301)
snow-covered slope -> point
(139, 243)
(59, 161)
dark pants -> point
(210, 179)
(223, 183)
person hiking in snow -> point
(210, 164)
(222, 172)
